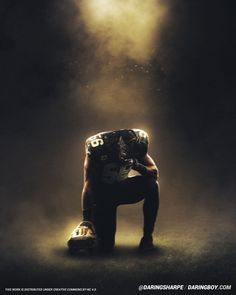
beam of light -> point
(124, 28)
(123, 35)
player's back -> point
(104, 149)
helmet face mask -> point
(125, 147)
(124, 150)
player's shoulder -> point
(141, 135)
(95, 143)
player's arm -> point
(87, 192)
(146, 167)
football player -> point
(110, 156)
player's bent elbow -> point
(154, 174)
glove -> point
(128, 162)
(135, 164)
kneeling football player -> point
(110, 156)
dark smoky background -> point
(184, 97)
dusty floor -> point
(199, 251)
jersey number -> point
(96, 140)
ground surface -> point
(199, 251)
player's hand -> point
(128, 162)
(135, 164)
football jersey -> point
(102, 148)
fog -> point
(74, 68)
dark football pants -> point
(129, 191)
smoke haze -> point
(70, 69)
(123, 29)
(122, 36)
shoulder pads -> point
(94, 143)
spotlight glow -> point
(125, 28)
(122, 36)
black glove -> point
(135, 164)
(139, 167)
(128, 162)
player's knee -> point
(152, 185)
(152, 190)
